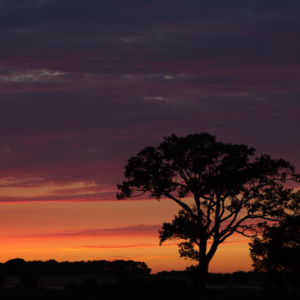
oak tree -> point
(230, 188)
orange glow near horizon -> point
(110, 230)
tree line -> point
(18, 267)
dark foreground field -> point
(19, 293)
(142, 289)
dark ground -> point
(142, 288)
(19, 293)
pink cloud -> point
(138, 230)
(122, 246)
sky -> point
(85, 85)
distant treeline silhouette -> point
(18, 266)
(235, 278)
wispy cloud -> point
(32, 76)
(138, 230)
(136, 257)
(117, 247)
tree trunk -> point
(202, 274)
(202, 270)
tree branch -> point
(183, 205)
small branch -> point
(183, 205)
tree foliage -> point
(230, 187)
(276, 254)
(183, 227)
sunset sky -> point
(85, 85)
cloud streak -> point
(137, 230)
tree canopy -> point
(276, 254)
(229, 185)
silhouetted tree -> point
(15, 266)
(276, 254)
(228, 186)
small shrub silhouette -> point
(30, 280)
(90, 283)
(221, 279)
(239, 277)
(2, 279)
